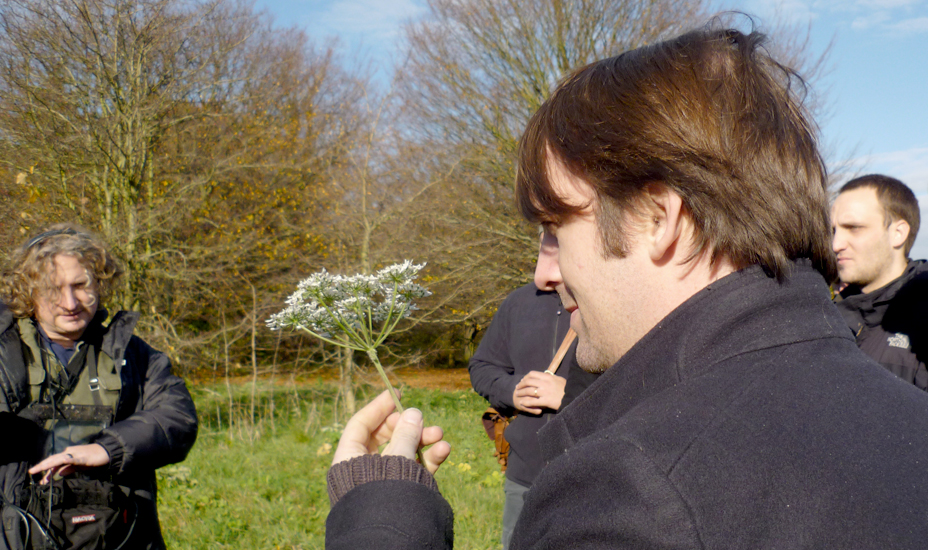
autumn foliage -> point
(224, 157)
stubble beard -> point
(589, 357)
(861, 275)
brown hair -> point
(711, 115)
(897, 200)
(29, 271)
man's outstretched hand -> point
(77, 457)
(377, 423)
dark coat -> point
(155, 424)
(524, 335)
(747, 418)
(891, 323)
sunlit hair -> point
(897, 200)
(29, 273)
(711, 115)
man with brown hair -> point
(885, 300)
(686, 198)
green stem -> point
(372, 353)
(339, 343)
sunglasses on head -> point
(47, 234)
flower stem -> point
(372, 353)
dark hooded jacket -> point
(746, 418)
(155, 421)
(891, 323)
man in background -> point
(885, 294)
(104, 408)
(510, 370)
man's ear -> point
(898, 233)
(665, 220)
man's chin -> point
(591, 360)
(73, 330)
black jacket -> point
(747, 418)
(524, 335)
(891, 323)
(155, 424)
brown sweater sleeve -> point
(347, 475)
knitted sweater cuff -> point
(347, 475)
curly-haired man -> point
(98, 409)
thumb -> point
(406, 435)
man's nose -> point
(547, 270)
(67, 300)
(838, 242)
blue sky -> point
(878, 86)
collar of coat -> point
(13, 379)
(743, 312)
(869, 309)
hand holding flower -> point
(378, 423)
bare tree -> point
(376, 189)
(106, 101)
(476, 71)
(193, 135)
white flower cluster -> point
(337, 305)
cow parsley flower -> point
(357, 312)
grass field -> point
(261, 483)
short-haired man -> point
(686, 193)
(102, 409)
(885, 297)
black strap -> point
(13, 377)
(42, 412)
(94, 378)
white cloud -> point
(915, 25)
(910, 166)
(886, 4)
(870, 20)
(906, 16)
(369, 20)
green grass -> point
(261, 484)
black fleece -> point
(524, 335)
(891, 323)
(747, 418)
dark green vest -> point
(76, 414)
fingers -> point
(52, 462)
(435, 455)
(538, 390)
(529, 410)
(366, 430)
(72, 459)
(533, 378)
(406, 435)
(409, 434)
(377, 423)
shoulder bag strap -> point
(561, 352)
